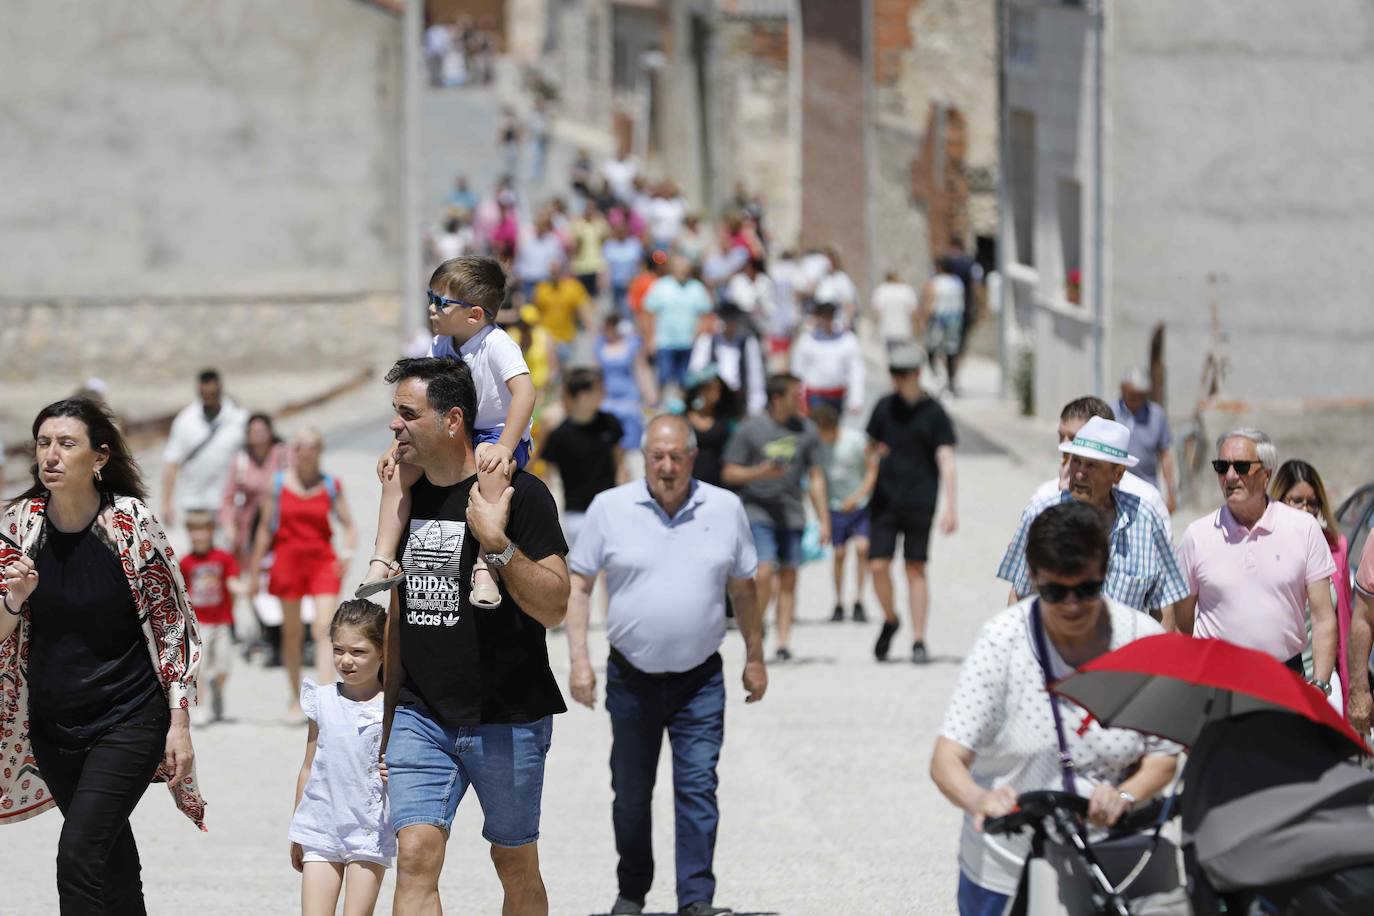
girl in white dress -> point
(341, 836)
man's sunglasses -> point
(1242, 467)
(1055, 593)
(442, 304)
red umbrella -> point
(1172, 685)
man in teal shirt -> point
(676, 301)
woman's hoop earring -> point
(97, 475)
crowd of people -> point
(459, 53)
(1092, 566)
(574, 342)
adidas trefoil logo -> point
(450, 619)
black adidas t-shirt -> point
(465, 665)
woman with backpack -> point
(295, 524)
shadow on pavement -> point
(737, 913)
(905, 659)
(798, 661)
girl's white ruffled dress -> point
(343, 815)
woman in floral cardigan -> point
(98, 654)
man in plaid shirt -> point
(1142, 571)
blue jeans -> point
(691, 706)
(975, 900)
(777, 547)
(672, 366)
(430, 766)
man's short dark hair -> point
(779, 384)
(448, 384)
(1068, 539)
(581, 380)
(1086, 408)
(208, 376)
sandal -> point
(484, 595)
(395, 575)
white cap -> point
(1102, 440)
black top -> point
(907, 475)
(585, 456)
(710, 446)
(88, 665)
(464, 665)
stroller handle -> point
(1033, 807)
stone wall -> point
(753, 119)
(1239, 147)
(935, 129)
(184, 176)
(834, 176)
(145, 340)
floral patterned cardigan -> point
(129, 529)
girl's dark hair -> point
(1068, 539)
(267, 419)
(364, 616)
(729, 406)
(120, 476)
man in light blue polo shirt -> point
(671, 547)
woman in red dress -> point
(295, 525)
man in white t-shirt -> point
(200, 447)
(666, 212)
(894, 308)
(620, 174)
(814, 267)
(1071, 420)
(838, 289)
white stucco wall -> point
(1241, 144)
(192, 149)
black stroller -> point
(1277, 821)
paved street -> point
(826, 805)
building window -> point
(1071, 237)
(1021, 34)
(1021, 178)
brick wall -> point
(834, 173)
(891, 37)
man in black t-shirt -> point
(469, 694)
(585, 449)
(915, 440)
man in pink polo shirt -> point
(1255, 566)
(1359, 703)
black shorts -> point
(912, 523)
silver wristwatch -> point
(498, 560)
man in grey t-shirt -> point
(772, 460)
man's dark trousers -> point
(691, 707)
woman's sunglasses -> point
(443, 304)
(1055, 593)
(1242, 467)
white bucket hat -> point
(1102, 440)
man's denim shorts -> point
(430, 766)
(778, 547)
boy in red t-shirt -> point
(212, 580)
